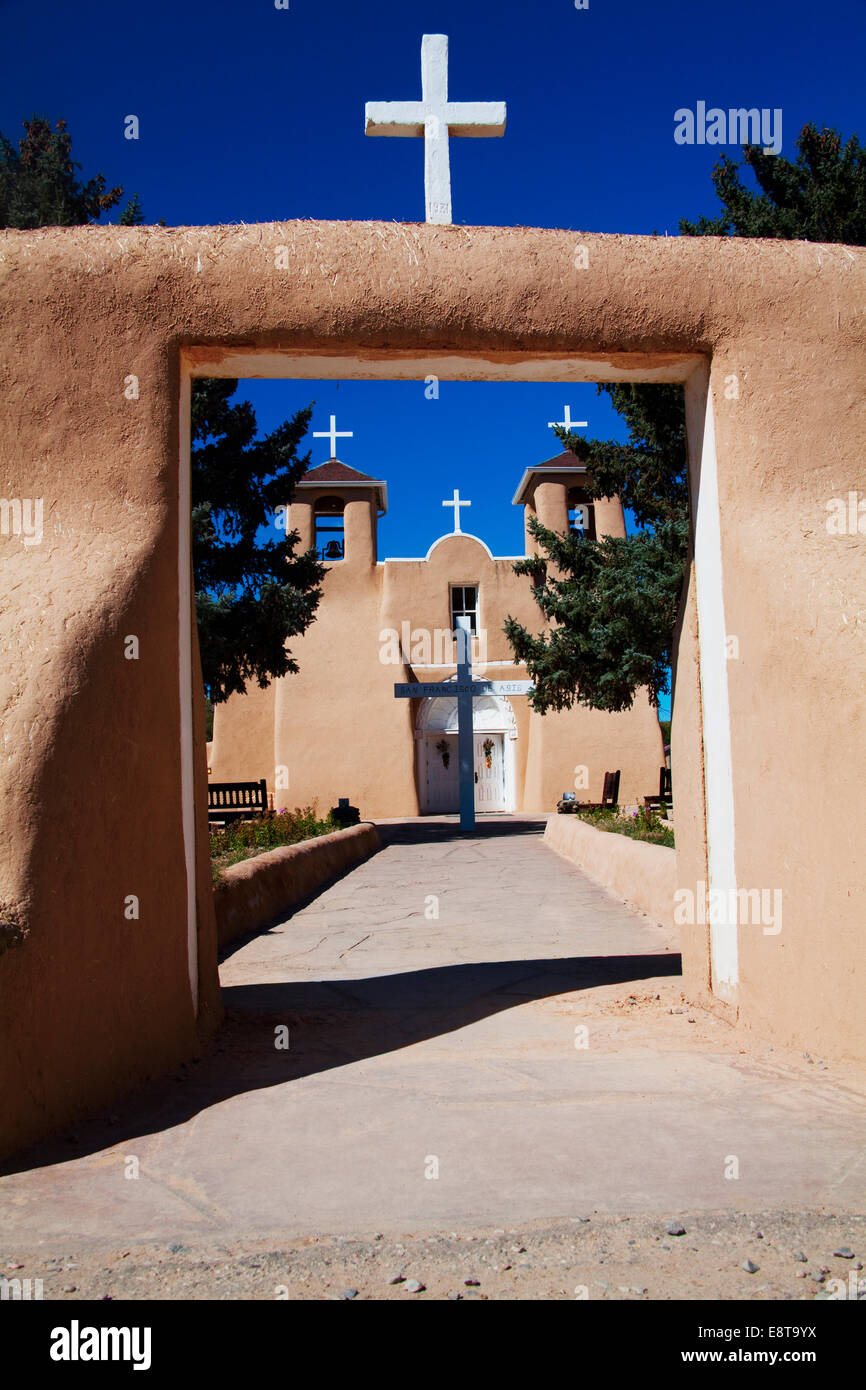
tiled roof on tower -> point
(564, 461)
(336, 472)
(342, 476)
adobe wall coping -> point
(399, 290)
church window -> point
(464, 603)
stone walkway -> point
(434, 998)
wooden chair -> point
(609, 798)
(665, 796)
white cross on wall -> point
(456, 504)
(333, 434)
(435, 117)
(567, 423)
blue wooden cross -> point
(466, 690)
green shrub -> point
(244, 839)
(638, 825)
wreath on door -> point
(442, 747)
(488, 746)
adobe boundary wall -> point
(641, 874)
(256, 891)
(106, 903)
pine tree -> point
(252, 594)
(132, 215)
(820, 197)
(38, 183)
(614, 604)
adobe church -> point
(336, 729)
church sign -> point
(408, 690)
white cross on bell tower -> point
(333, 434)
(567, 424)
(456, 504)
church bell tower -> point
(336, 511)
(555, 493)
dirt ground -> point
(586, 1257)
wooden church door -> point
(489, 772)
(443, 794)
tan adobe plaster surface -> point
(91, 793)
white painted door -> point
(443, 792)
(489, 772)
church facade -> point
(337, 730)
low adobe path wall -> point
(639, 873)
(258, 890)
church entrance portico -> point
(494, 733)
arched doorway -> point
(494, 732)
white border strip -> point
(409, 365)
(184, 637)
(713, 665)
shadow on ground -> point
(426, 830)
(333, 1023)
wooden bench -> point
(665, 796)
(229, 801)
(609, 798)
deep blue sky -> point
(248, 113)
